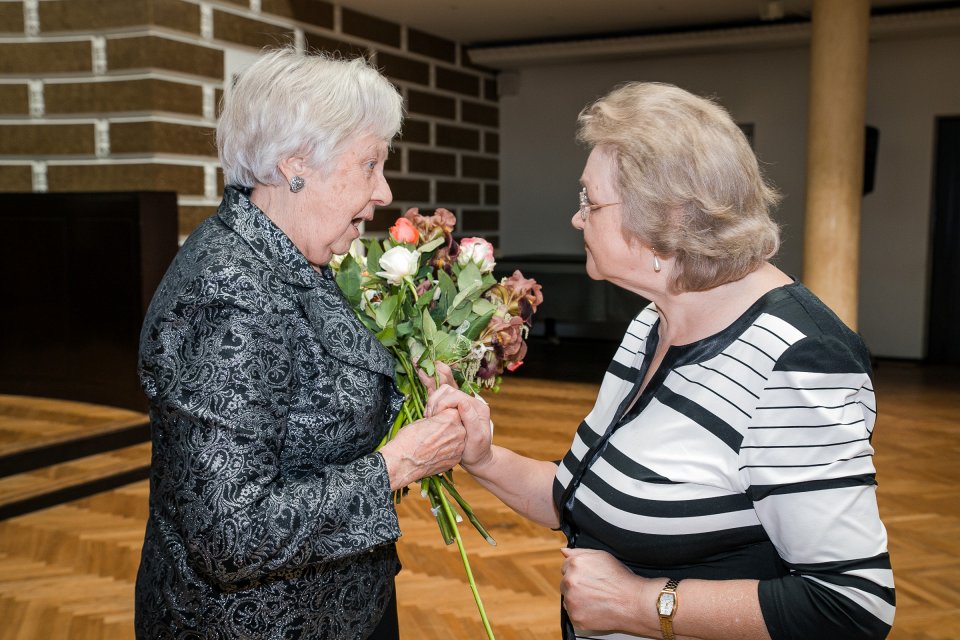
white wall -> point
(911, 82)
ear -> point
(292, 166)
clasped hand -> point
(474, 415)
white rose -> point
(356, 250)
(398, 263)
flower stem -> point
(448, 511)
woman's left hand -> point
(599, 593)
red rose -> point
(404, 231)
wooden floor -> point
(67, 571)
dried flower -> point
(441, 222)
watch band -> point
(667, 604)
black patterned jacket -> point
(270, 514)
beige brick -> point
(46, 139)
(431, 45)
(185, 180)
(366, 26)
(14, 99)
(89, 15)
(189, 218)
(45, 57)
(480, 220)
(11, 17)
(457, 192)
(124, 95)
(253, 33)
(16, 178)
(316, 12)
(154, 52)
(475, 167)
(337, 48)
(162, 137)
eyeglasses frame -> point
(586, 208)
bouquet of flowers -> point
(429, 299)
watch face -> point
(666, 603)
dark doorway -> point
(943, 337)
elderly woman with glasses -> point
(271, 512)
(723, 485)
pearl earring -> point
(656, 263)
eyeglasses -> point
(586, 206)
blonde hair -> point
(689, 182)
(289, 103)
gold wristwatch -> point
(667, 604)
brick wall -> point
(121, 95)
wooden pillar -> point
(835, 139)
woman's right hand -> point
(475, 415)
(424, 448)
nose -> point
(382, 195)
(577, 220)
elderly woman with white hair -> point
(723, 485)
(271, 512)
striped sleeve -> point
(807, 461)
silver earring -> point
(296, 184)
(656, 263)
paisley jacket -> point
(270, 514)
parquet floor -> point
(67, 571)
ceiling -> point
(498, 22)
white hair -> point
(289, 103)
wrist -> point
(667, 604)
(482, 467)
(398, 470)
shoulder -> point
(817, 339)
(216, 267)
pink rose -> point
(479, 251)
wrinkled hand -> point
(475, 415)
(424, 448)
(598, 591)
(444, 372)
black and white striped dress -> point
(748, 455)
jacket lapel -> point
(339, 330)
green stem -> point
(467, 510)
(448, 511)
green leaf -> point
(458, 314)
(477, 326)
(388, 337)
(429, 328)
(404, 329)
(425, 298)
(427, 365)
(469, 277)
(386, 309)
(433, 244)
(348, 279)
(483, 306)
(466, 294)
(374, 253)
(448, 291)
(369, 323)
